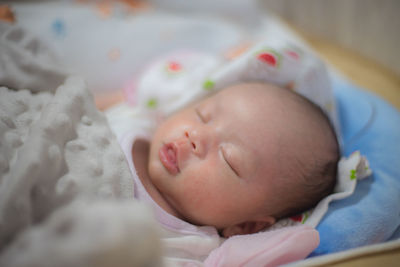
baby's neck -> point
(140, 157)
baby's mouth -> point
(168, 157)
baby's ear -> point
(249, 227)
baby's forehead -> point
(264, 109)
(253, 92)
(260, 99)
(252, 110)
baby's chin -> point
(155, 169)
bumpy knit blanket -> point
(54, 210)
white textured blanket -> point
(54, 210)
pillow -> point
(372, 214)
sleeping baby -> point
(257, 146)
(240, 159)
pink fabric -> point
(265, 249)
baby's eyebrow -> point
(218, 107)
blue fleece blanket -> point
(372, 214)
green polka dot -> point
(152, 103)
(305, 218)
(353, 174)
(208, 85)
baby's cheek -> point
(205, 189)
(197, 183)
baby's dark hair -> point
(308, 179)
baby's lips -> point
(168, 157)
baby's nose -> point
(198, 140)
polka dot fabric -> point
(177, 79)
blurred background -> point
(370, 27)
(358, 37)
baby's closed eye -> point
(201, 115)
(228, 160)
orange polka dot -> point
(114, 54)
(104, 9)
(6, 14)
(236, 51)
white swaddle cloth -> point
(179, 78)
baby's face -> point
(215, 163)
